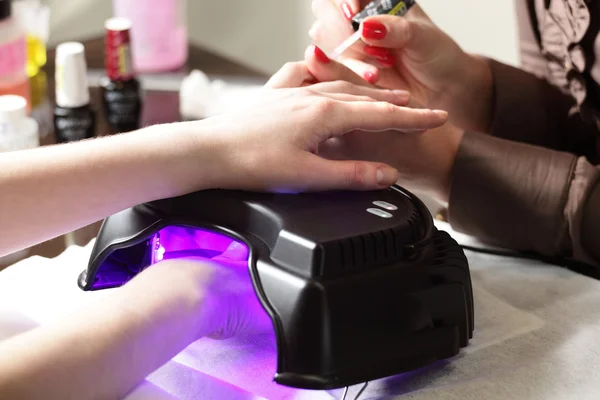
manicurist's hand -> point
(424, 160)
(410, 53)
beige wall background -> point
(265, 34)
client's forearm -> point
(103, 351)
(48, 191)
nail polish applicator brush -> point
(376, 7)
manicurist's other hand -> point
(410, 53)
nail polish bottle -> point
(159, 35)
(74, 118)
(13, 73)
(121, 90)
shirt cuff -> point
(512, 194)
(583, 212)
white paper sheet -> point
(537, 336)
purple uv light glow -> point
(180, 241)
(168, 243)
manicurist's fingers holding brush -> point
(408, 51)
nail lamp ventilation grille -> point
(359, 285)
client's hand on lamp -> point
(424, 160)
(104, 350)
(268, 146)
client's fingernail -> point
(321, 56)
(347, 10)
(441, 113)
(386, 176)
(373, 30)
(370, 77)
(378, 52)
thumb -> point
(291, 75)
(236, 251)
(326, 174)
(327, 70)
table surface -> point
(160, 106)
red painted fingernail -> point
(347, 11)
(321, 56)
(373, 30)
(388, 61)
(378, 52)
(370, 77)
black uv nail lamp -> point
(359, 285)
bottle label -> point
(13, 57)
(123, 109)
(119, 62)
(70, 129)
(382, 7)
(12, 138)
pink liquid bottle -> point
(159, 36)
(13, 73)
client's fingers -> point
(369, 72)
(346, 91)
(235, 252)
(291, 75)
(381, 116)
(325, 69)
(327, 38)
(323, 174)
(331, 15)
(348, 8)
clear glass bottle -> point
(17, 130)
(159, 36)
(34, 18)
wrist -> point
(443, 173)
(188, 157)
(471, 93)
(431, 171)
(183, 286)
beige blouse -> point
(532, 183)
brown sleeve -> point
(526, 197)
(527, 108)
(510, 191)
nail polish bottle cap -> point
(71, 76)
(118, 60)
(13, 109)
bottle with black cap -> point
(74, 118)
(121, 90)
